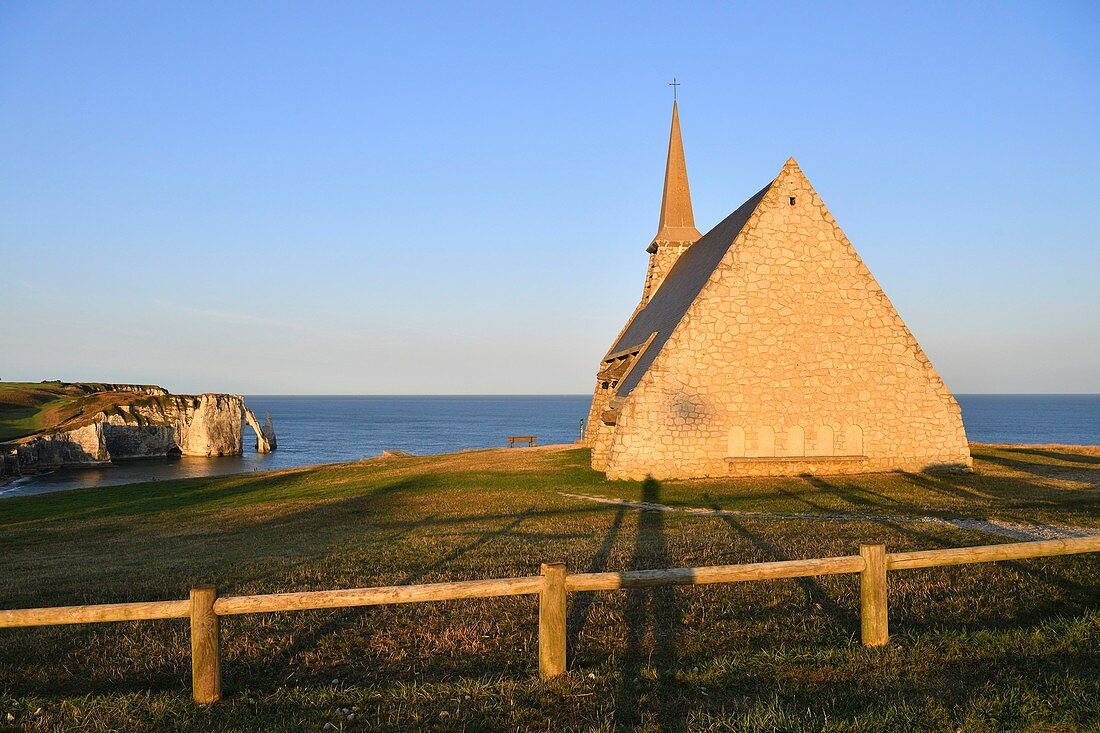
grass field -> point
(28, 408)
(1005, 646)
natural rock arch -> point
(265, 434)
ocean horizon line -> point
(586, 394)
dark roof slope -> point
(678, 291)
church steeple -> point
(677, 220)
(676, 231)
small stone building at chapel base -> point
(766, 348)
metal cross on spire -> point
(674, 84)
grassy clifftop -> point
(1005, 646)
(30, 408)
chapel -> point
(765, 347)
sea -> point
(333, 429)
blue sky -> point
(398, 198)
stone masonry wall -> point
(660, 262)
(791, 360)
(597, 435)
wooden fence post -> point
(552, 621)
(206, 662)
(872, 594)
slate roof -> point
(679, 290)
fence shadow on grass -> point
(581, 603)
(860, 498)
(810, 586)
(314, 531)
(1056, 454)
(341, 621)
(655, 612)
(1065, 594)
(308, 531)
(1073, 466)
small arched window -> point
(853, 440)
(796, 441)
(765, 442)
(823, 441)
(735, 442)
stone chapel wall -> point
(793, 357)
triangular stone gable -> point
(789, 359)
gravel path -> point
(991, 526)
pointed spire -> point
(677, 220)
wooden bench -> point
(528, 439)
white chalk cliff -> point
(154, 423)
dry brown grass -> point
(1007, 646)
(28, 409)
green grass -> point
(1005, 646)
(27, 408)
(23, 407)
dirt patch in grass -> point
(1014, 530)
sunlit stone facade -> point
(770, 349)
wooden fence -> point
(205, 607)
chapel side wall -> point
(597, 435)
(791, 333)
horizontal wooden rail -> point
(714, 574)
(205, 607)
(142, 611)
(990, 553)
(231, 605)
